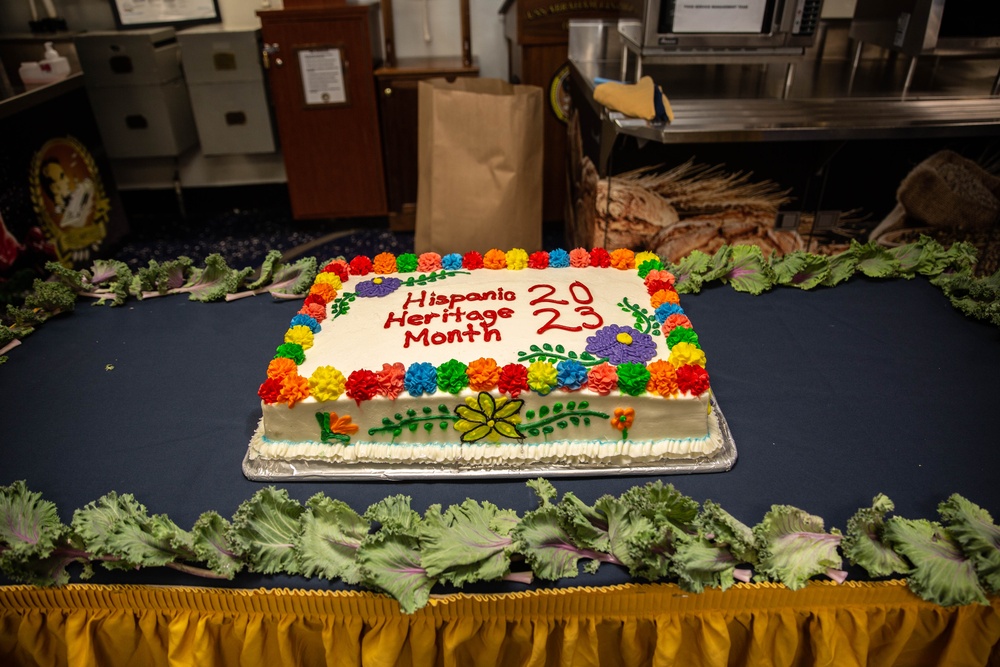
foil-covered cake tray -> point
(260, 469)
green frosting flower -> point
(649, 265)
(406, 263)
(632, 378)
(682, 335)
(451, 376)
(292, 351)
(485, 417)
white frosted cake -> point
(506, 360)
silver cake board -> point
(259, 469)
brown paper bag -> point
(480, 166)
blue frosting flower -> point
(666, 310)
(558, 259)
(571, 374)
(420, 379)
(305, 321)
(378, 286)
(451, 262)
(622, 345)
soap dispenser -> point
(53, 67)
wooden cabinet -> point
(320, 63)
(397, 91)
(537, 33)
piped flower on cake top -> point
(451, 262)
(623, 259)
(666, 310)
(517, 259)
(538, 260)
(361, 266)
(495, 259)
(483, 416)
(571, 374)
(632, 378)
(327, 383)
(472, 260)
(406, 263)
(682, 335)
(600, 258)
(324, 291)
(292, 351)
(300, 334)
(294, 388)
(513, 380)
(683, 354)
(692, 379)
(602, 379)
(662, 379)
(421, 378)
(621, 344)
(558, 259)
(674, 321)
(384, 263)
(362, 385)
(279, 367)
(377, 287)
(579, 258)
(317, 311)
(306, 321)
(328, 278)
(484, 374)
(657, 280)
(451, 376)
(430, 261)
(646, 261)
(390, 379)
(339, 267)
(542, 377)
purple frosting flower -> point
(622, 345)
(378, 286)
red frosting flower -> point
(692, 379)
(339, 267)
(362, 385)
(314, 298)
(472, 260)
(269, 390)
(513, 380)
(361, 266)
(600, 257)
(538, 260)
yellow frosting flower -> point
(682, 354)
(645, 256)
(495, 259)
(517, 259)
(542, 377)
(300, 334)
(484, 374)
(623, 258)
(384, 262)
(326, 383)
(328, 278)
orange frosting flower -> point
(484, 374)
(280, 367)
(663, 296)
(495, 259)
(623, 418)
(662, 379)
(384, 262)
(623, 258)
(294, 388)
(325, 290)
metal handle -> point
(266, 52)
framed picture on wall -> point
(162, 13)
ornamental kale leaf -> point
(874, 260)
(328, 539)
(973, 528)
(214, 281)
(699, 563)
(794, 547)
(747, 270)
(865, 542)
(390, 561)
(211, 546)
(941, 572)
(800, 269)
(30, 528)
(467, 542)
(264, 530)
(725, 530)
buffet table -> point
(832, 396)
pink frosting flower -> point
(429, 261)
(602, 379)
(674, 321)
(579, 258)
(390, 379)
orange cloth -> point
(650, 624)
(635, 99)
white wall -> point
(488, 44)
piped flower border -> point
(550, 368)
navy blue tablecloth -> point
(832, 396)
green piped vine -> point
(644, 322)
(427, 278)
(562, 416)
(413, 420)
(554, 354)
